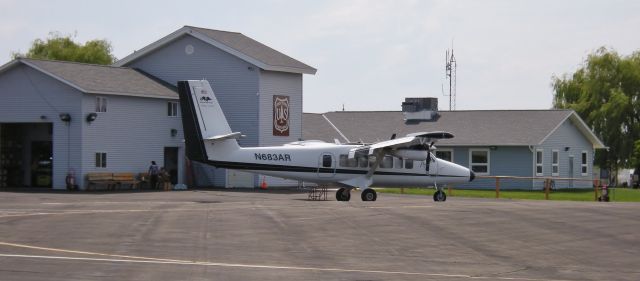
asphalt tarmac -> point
(225, 235)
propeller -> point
(428, 147)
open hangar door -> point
(26, 154)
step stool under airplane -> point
(209, 139)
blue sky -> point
(369, 54)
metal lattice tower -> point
(450, 72)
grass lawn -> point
(617, 195)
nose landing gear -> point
(439, 196)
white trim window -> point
(172, 109)
(479, 161)
(101, 159)
(101, 104)
(555, 162)
(584, 170)
(445, 154)
(539, 161)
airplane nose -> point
(472, 175)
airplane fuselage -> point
(320, 162)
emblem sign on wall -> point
(281, 116)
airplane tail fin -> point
(202, 119)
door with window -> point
(326, 165)
(570, 172)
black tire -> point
(369, 195)
(340, 195)
(439, 196)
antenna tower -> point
(450, 72)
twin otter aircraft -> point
(405, 161)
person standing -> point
(153, 175)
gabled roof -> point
(99, 79)
(470, 128)
(234, 43)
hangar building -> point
(62, 116)
(524, 143)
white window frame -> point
(541, 164)
(448, 150)
(176, 113)
(100, 100)
(102, 159)
(584, 165)
(488, 164)
(555, 165)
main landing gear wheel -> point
(343, 194)
(369, 195)
(439, 196)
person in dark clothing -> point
(153, 175)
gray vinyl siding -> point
(26, 95)
(279, 83)
(568, 136)
(503, 160)
(234, 81)
(133, 132)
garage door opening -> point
(26, 155)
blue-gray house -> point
(524, 143)
(134, 110)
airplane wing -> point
(404, 142)
(379, 149)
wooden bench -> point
(95, 179)
(125, 178)
(112, 180)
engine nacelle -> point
(412, 154)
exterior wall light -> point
(566, 148)
(174, 132)
(65, 117)
(493, 147)
(92, 117)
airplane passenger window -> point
(363, 161)
(408, 164)
(343, 160)
(326, 161)
(387, 162)
(398, 163)
(352, 162)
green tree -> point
(605, 92)
(59, 47)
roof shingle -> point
(100, 79)
(480, 127)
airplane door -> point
(326, 165)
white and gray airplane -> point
(405, 161)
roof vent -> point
(420, 109)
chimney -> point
(420, 109)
